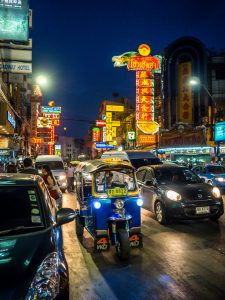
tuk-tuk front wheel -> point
(79, 227)
(123, 244)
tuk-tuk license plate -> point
(202, 210)
(117, 192)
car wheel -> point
(123, 245)
(160, 213)
(215, 218)
(79, 227)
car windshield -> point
(20, 208)
(105, 180)
(53, 165)
(140, 162)
(175, 176)
(216, 169)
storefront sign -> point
(100, 123)
(55, 122)
(11, 119)
(103, 146)
(44, 122)
(118, 108)
(14, 20)
(16, 67)
(146, 139)
(36, 140)
(116, 123)
(148, 63)
(52, 116)
(96, 134)
(131, 135)
(58, 150)
(220, 132)
(150, 127)
(4, 143)
(51, 110)
(185, 93)
(186, 138)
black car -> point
(172, 191)
(32, 262)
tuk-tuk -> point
(110, 205)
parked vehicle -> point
(32, 261)
(137, 158)
(109, 205)
(172, 191)
(57, 167)
(212, 174)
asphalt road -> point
(185, 260)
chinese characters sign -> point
(184, 93)
(96, 134)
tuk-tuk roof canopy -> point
(107, 163)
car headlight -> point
(119, 204)
(220, 179)
(173, 195)
(216, 192)
(45, 284)
(62, 177)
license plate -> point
(202, 210)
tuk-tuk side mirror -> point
(149, 183)
(65, 215)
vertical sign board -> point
(220, 132)
(14, 20)
(184, 93)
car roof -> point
(164, 166)
(18, 179)
(42, 158)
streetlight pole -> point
(211, 112)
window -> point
(220, 74)
(140, 175)
(20, 207)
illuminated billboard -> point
(14, 20)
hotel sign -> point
(118, 108)
(51, 110)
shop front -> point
(7, 130)
(186, 146)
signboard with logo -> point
(100, 123)
(118, 108)
(58, 150)
(146, 139)
(131, 135)
(11, 119)
(14, 20)
(44, 122)
(51, 110)
(16, 67)
(220, 132)
(36, 140)
(96, 134)
(103, 146)
(52, 116)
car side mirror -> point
(65, 215)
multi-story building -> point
(71, 148)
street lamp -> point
(195, 81)
(41, 80)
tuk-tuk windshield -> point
(105, 180)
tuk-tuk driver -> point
(108, 179)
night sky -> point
(74, 41)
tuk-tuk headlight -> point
(119, 203)
(140, 202)
(97, 204)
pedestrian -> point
(70, 177)
(50, 182)
(28, 167)
(11, 168)
(1, 167)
